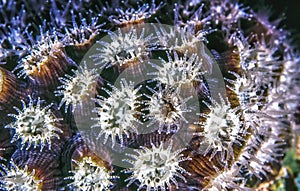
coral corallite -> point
(147, 95)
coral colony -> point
(135, 95)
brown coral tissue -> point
(148, 95)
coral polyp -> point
(245, 90)
(157, 167)
(181, 39)
(132, 16)
(229, 179)
(1, 81)
(124, 48)
(82, 34)
(45, 61)
(34, 125)
(75, 89)
(166, 108)
(89, 175)
(117, 112)
(221, 129)
(182, 70)
(48, 46)
(17, 178)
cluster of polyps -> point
(246, 129)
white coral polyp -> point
(166, 108)
(131, 15)
(246, 91)
(180, 39)
(157, 167)
(227, 179)
(83, 33)
(123, 48)
(227, 13)
(221, 128)
(116, 114)
(75, 89)
(88, 175)
(17, 178)
(34, 126)
(47, 46)
(259, 154)
(178, 71)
